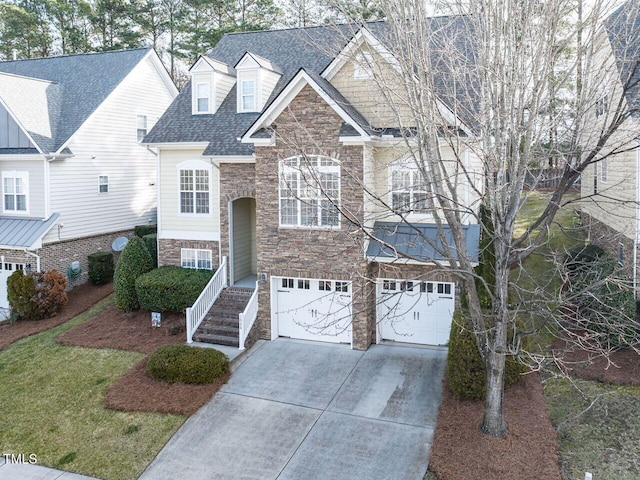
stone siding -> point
(237, 180)
(310, 126)
(169, 250)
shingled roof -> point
(310, 49)
(52, 97)
(623, 31)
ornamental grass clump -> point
(185, 364)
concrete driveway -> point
(298, 410)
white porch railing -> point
(247, 317)
(199, 309)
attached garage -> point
(312, 309)
(415, 311)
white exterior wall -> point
(106, 144)
(173, 224)
(223, 85)
(268, 81)
(35, 167)
(11, 135)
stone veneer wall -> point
(59, 255)
(608, 238)
(237, 180)
(311, 126)
(169, 250)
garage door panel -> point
(313, 309)
(415, 312)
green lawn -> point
(52, 404)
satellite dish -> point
(119, 244)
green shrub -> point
(36, 295)
(100, 268)
(185, 364)
(142, 230)
(465, 368)
(171, 289)
(151, 242)
(21, 288)
(134, 261)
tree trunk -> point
(493, 421)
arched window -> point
(309, 192)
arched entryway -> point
(243, 261)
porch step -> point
(220, 325)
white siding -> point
(11, 136)
(169, 203)
(36, 187)
(106, 144)
(268, 82)
(224, 84)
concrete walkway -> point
(297, 410)
(25, 471)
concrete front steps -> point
(220, 326)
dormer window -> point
(203, 97)
(248, 95)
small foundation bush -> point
(36, 295)
(142, 230)
(465, 368)
(100, 268)
(21, 288)
(171, 289)
(185, 364)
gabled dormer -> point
(257, 77)
(211, 82)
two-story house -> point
(610, 188)
(74, 175)
(281, 155)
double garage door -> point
(6, 269)
(407, 311)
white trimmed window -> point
(195, 191)
(103, 184)
(363, 66)
(248, 95)
(195, 258)
(203, 97)
(141, 127)
(409, 192)
(15, 192)
(309, 192)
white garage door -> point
(6, 269)
(312, 309)
(414, 311)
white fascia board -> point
(24, 130)
(347, 53)
(294, 87)
(232, 158)
(162, 72)
(186, 235)
(178, 145)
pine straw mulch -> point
(529, 450)
(136, 391)
(81, 298)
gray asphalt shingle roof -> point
(309, 49)
(24, 232)
(74, 86)
(623, 30)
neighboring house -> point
(74, 175)
(610, 188)
(274, 129)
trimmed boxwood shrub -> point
(134, 261)
(100, 268)
(142, 230)
(171, 289)
(21, 288)
(151, 242)
(185, 364)
(465, 367)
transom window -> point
(141, 127)
(248, 95)
(194, 191)
(14, 191)
(195, 258)
(309, 192)
(409, 191)
(202, 97)
(103, 184)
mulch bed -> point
(619, 368)
(529, 450)
(81, 298)
(136, 391)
